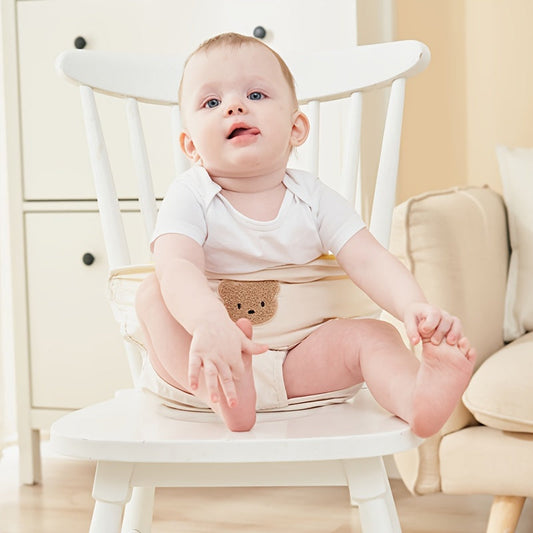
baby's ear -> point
(188, 146)
(300, 129)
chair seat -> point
(134, 427)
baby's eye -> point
(256, 95)
(212, 102)
(239, 306)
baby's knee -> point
(387, 329)
(380, 332)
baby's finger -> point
(442, 329)
(235, 369)
(411, 328)
(211, 380)
(252, 348)
(455, 331)
(195, 365)
(429, 323)
(227, 383)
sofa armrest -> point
(455, 242)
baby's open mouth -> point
(242, 130)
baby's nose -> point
(236, 105)
(235, 110)
(251, 311)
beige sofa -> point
(456, 242)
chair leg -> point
(30, 470)
(505, 513)
(106, 518)
(111, 492)
(370, 491)
(139, 511)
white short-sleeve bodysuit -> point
(313, 220)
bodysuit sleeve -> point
(337, 219)
(181, 212)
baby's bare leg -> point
(344, 352)
(168, 346)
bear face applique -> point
(255, 300)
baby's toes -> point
(464, 346)
(471, 355)
(245, 326)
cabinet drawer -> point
(54, 147)
(55, 156)
(76, 352)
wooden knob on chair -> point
(259, 32)
(88, 259)
(80, 42)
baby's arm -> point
(217, 342)
(386, 280)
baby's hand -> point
(431, 324)
(218, 347)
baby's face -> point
(238, 111)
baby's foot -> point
(443, 376)
(241, 416)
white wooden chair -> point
(139, 445)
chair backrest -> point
(342, 74)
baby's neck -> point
(258, 199)
(250, 184)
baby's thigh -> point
(328, 359)
(148, 294)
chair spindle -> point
(350, 187)
(180, 161)
(385, 190)
(142, 166)
(108, 205)
(313, 113)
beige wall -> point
(499, 79)
(476, 93)
(434, 136)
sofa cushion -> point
(455, 243)
(516, 169)
(482, 460)
(500, 394)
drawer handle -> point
(80, 43)
(88, 258)
(260, 32)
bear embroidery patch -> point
(255, 300)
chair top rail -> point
(155, 78)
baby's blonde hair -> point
(236, 40)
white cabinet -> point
(76, 352)
(50, 108)
(67, 349)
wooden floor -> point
(62, 503)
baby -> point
(239, 209)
